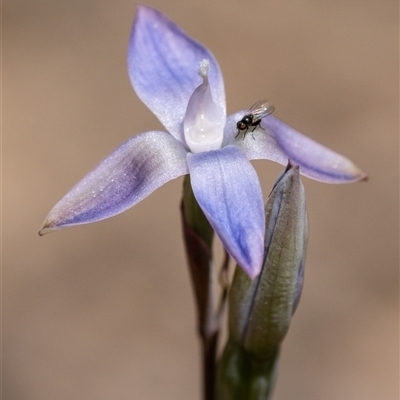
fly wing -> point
(261, 109)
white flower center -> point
(204, 121)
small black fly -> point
(253, 119)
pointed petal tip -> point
(144, 9)
(354, 174)
(47, 228)
(45, 231)
(252, 264)
(363, 177)
(252, 272)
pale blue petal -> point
(228, 190)
(162, 65)
(121, 180)
(279, 142)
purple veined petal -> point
(162, 65)
(279, 142)
(128, 175)
(227, 189)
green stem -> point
(198, 238)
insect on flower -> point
(253, 119)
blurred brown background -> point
(105, 311)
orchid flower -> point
(182, 84)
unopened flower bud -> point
(260, 310)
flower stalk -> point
(198, 238)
